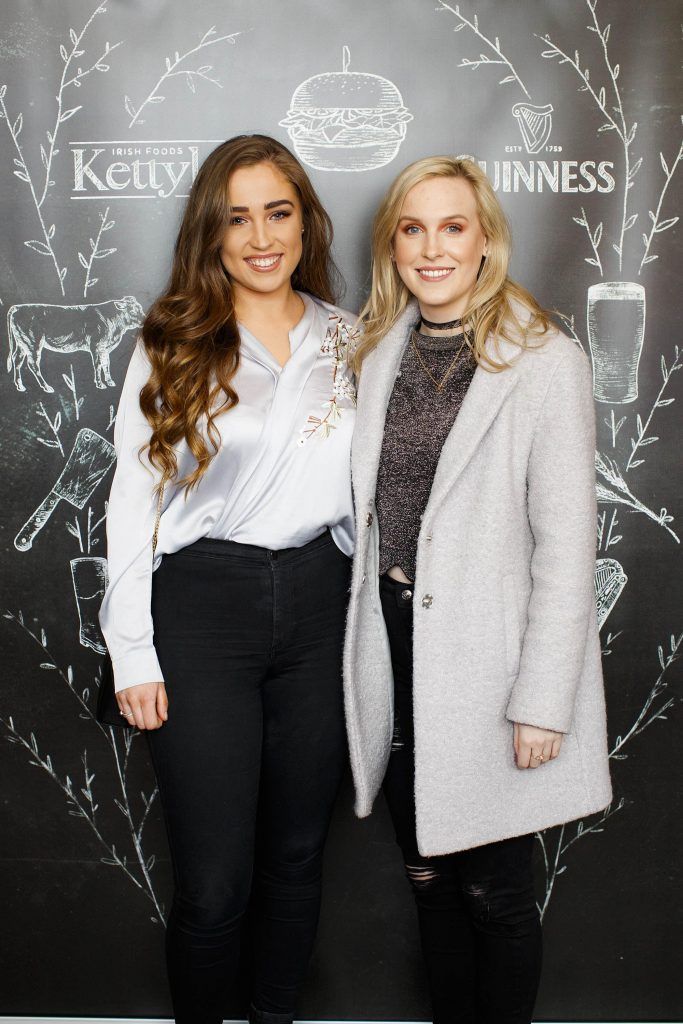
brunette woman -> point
(473, 681)
(239, 401)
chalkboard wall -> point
(106, 113)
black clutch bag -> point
(107, 711)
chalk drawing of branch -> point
(95, 252)
(552, 861)
(171, 72)
(86, 806)
(613, 122)
(54, 425)
(657, 225)
(570, 323)
(612, 488)
(70, 381)
(87, 539)
(648, 714)
(642, 439)
(45, 247)
(21, 170)
(112, 417)
(594, 239)
(605, 539)
(614, 427)
(494, 45)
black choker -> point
(441, 327)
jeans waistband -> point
(256, 554)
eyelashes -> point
(278, 216)
(451, 229)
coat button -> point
(428, 537)
(406, 594)
(427, 601)
(363, 578)
(368, 519)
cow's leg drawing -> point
(103, 376)
(33, 360)
(18, 360)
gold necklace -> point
(437, 384)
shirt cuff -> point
(138, 667)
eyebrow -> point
(452, 216)
(266, 206)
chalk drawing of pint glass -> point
(616, 328)
(89, 577)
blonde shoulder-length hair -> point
(490, 310)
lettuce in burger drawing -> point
(347, 120)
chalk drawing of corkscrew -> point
(534, 121)
(89, 461)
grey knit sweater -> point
(419, 418)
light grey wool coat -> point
(504, 616)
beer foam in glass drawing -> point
(616, 328)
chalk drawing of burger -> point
(347, 120)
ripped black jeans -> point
(479, 924)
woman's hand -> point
(145, 705)
(533, 747)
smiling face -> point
(261, 245)
(438, 246)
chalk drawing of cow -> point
(97, 328)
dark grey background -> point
(80, 936)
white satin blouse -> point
(281, 475)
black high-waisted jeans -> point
(479, 924)
(249, 762)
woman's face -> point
(262, 242)
(438, 246)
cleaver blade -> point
(90, 459)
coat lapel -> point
(482, 403)
(374, 390)
(485, 396)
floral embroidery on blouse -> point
(338, 344)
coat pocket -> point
(513, 645)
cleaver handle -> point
(24, 539)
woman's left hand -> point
(533, 747)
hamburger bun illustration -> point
(347, 120)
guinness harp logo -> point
(535, 124)
(610, 580)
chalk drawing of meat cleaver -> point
(90, 459)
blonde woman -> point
(473, 681)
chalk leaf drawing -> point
(612, 488)
(616, 329)
(173, 70)
(660, 225)
(96, 328)
(534, 122)
(69, 77)
(80, 798)
(347, 120)
(612, 109)
(651, 711)
(95, 252)
(610, 580)
(642, 437)
(89, 461)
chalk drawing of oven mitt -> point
(89, 575)
(610, 580)
(90, 459)
(616, 329)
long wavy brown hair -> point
(190, 333)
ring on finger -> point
(539, 758)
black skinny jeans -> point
(249, 762)
(479, 924)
